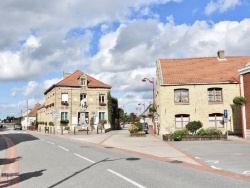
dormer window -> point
(83, 80)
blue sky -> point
(117, 42)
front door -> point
(83, 118)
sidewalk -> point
(150, 146)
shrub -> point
(239, 100)
(177, 135)
(209, 131)
(193, 126)
(133, 128)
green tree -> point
(193, 126)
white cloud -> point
(221, 6)
(32, 42)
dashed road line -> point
(216, 168)
(84, 158)
(63, 148)
(246, 173)
(127, 179)
(51, 142)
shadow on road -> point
(19, 178)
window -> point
(101, 115)
(64, 115)
(214, 95)
(101, 98)
(83, 81)
(83, 96)
(181, 120)
(65, 97)
(181, 95)
(216, 120)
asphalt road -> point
(49, 161)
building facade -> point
(199, 89)
(77, 100)
(245, 92)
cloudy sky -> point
(117, 42)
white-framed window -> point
(214, 94)
(181, 120)
(181, 96)
(64, 115)
(65, 97)
(216, 120)
(101, 98)
(83, 81)
(101, 115)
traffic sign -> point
(225, 114)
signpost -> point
(226, 119)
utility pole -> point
(27, 113)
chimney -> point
(65, 74)
(221, 55)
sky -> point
(117, 42)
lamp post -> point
(152, 82)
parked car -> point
(1, 125)
(18, 126)
(145, 127)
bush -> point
(239, 100)
(136, 127)
(193, 126)
(133, 128)
(209, 131)
(177, 135)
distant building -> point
(78, 99)
(31, 118)
(199, 89)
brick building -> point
(199, 89)
(245, 92)
(78, 99)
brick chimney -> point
(65, 74)
(221, 55)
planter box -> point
(169, 137)
(137, 134)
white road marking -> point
(63, 148)
(216, 168)
(246, 172)
(212, 161)
(197, 157)
(41, 139)
(84, 158)
(127, 179)
(51, 142)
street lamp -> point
(152, 82)
(143, 105)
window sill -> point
(217, 102)
(181, 103)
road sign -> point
(225, 115)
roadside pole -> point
(226, 120)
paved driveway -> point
(231, 155)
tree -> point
(193, 126)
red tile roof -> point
(201, 70)
(34, 110)
(73, 81)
